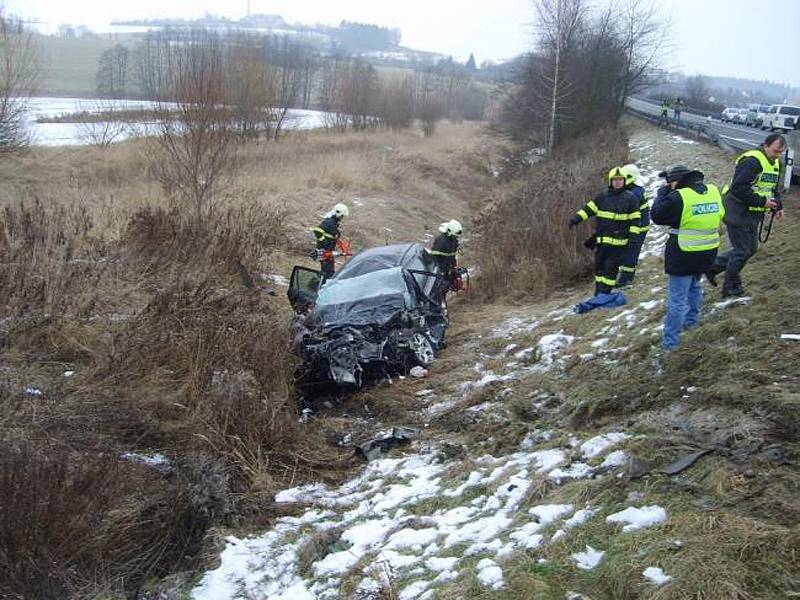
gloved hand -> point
(574, 221)
(590, 242)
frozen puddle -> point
(413, 520)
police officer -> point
(693, 210)
(326, 234)
(664, 112)
(752, 191)
(634, 183)
(616, 210)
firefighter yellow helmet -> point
(616, 172)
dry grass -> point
(103, 275)
(527, 249)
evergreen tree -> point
(471, 67)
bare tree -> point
(194, 151)
(104, 122)
(249, 82)
(112, 72)
(19, 75)
(644, 34)
(558, 22)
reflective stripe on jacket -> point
(700, 219)
(766, 182)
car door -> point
(303, 288)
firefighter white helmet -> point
(341, 211)
(444, 227)
(454, 228)
(633, 175)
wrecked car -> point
(382, 313)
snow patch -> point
(598, 444)
(589, 559)
(490, 574)
(656, 575)
(638, 518)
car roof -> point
(385, 257)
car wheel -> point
(421, 349)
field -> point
(69, 65)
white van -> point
(782, 116)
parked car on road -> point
(728, 114)
(383, 312)
(783, 117)
(740, 117)
(755, 114)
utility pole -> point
(248, 8)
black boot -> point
(711, 276)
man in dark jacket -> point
(616, 211)
(635, 184)
(694, 211)
(326, 234)
(752, 192)
(444, 250)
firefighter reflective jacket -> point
(617, 216)
(444, 250)
(327, 233)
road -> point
(737, 136)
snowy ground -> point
(73, 134)
(418, 521)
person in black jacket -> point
(634, 183)
(444, 250)
(693, 210)
(753, 191)
(326, 235)
(617, 214)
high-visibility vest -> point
(765, 183)
(702, 213)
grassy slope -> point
(736, 512)
(733, 388)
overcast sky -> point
(745, 38)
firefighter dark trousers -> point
(627, 269)
(607, 260)
(327, 268)
(744, 242)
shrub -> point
(527, 249)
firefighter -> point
(752, 191)
(693, 210)
(634, 182)
(326, 234)
(616, 211)
(444, 249)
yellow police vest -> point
(767, 180)
(702, 213)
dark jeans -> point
(327, 268)
(607, 260)
(628, 268)
(744, 242)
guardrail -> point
(706, 133)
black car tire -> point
(421, 350)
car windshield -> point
(370, 298)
